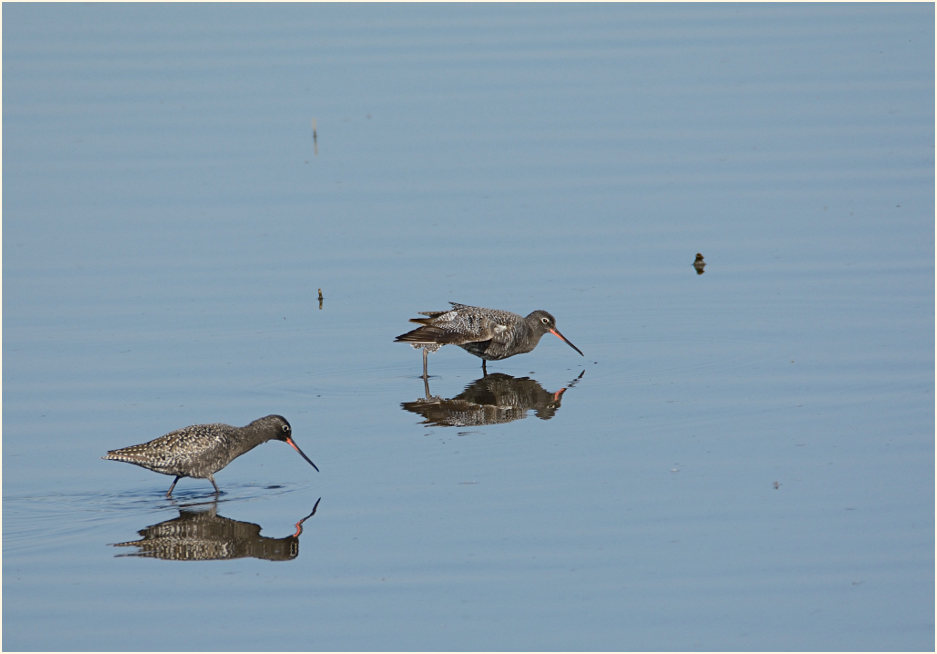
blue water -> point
(743, 459)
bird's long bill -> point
(295, 447)
(556, 332)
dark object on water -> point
(699, 264)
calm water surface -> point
(743, 459)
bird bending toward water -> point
(202, 450)
(487, 333)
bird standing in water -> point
(202, 450)
(491, 334)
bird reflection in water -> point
(206, 536)
(494, 398)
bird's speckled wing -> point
(462, 324)
(179, 452)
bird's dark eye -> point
(286, 429)
(545, 321)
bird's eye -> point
(286, 429)
(545, 321)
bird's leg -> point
(484, 368)
(211, 478)
(425, 357)
(169, 492)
